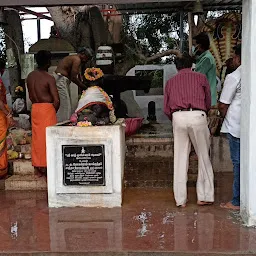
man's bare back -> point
(70, 67)
(69, 64)
(42, 88)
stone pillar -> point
(248, 120)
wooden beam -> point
(9, 3)
(39, 15)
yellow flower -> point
(84, 124)
(92, 74)
(19, 89)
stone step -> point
(149, 147)
(149, 161)
(23, 167)
(125, 253)
(25, 182)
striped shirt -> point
(187, 89)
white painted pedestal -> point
(109, 194)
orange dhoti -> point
(3, 146)
(42, 116)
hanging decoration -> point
(225, 33)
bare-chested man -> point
(45, 103)
(68, 71)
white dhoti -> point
(63, 85)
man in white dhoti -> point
(68, 71)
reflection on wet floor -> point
(148, 221)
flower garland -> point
(92, 74)
(108, 100)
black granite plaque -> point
(83, 165)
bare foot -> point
(203, 203)
(37, 172)
(230, 206)
(40, 171)
(44, 171)
(182, 206)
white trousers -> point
(191, 127)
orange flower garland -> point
(93, 74)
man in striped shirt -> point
(187, 100)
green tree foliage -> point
(2, 45)
(149, 34)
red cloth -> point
(132, 125)
(187, 89)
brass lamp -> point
(197, 10)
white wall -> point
(169, 71)
(248, 114)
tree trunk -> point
(14, 40)
(114, 21)
(81, 26)
(190, 36)
(99, 30)
(65, 21)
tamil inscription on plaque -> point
(83, 165)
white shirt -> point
(231, 95)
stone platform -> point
(148, 163)
(149, 158)
(24, 178)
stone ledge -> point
(147, 140)
(23, 167)
(25, 182)
(127, 253)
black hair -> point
(43, 58)
(185, 61)
(238, 50)
(203, 40)
(86, 51)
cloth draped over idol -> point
(42, 116)
(92, 96)
(63, 86)
(3, 134)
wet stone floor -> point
(147, 222)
